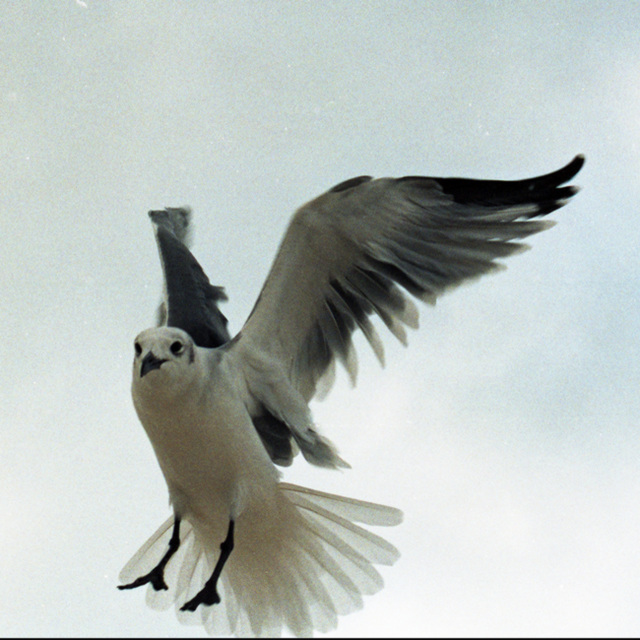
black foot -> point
(208, 595)
(205, 596)
(155, 577)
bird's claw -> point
(202, 597)
(154, 577)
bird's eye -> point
(176, 347)
(137, 348)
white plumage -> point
(220, 412)
(298, 560)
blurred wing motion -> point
(190, 301)
(345, 253)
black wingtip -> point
(349, 184)
(569, 171)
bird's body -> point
(220, 412)
(204, 472)
(218, 471)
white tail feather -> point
(149, 554)
(300, 570)
(355, 510)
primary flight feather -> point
(220, 411)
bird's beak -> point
(149, 363)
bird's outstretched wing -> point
(345, 253)
(190, 301)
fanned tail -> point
(298, 570)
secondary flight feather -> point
(361, 249)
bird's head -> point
(164, 359)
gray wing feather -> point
(191, 301)
(355, 250)
(191, 304)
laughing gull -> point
(221, 411)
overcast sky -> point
(507, 431)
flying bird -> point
(221, 411)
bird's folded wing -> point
(345, 253)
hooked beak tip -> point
(149, 363)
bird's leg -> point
(209, 594)
(156, 575)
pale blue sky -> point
(507, 431)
